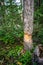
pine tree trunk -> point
(28, 23)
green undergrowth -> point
(11, 55)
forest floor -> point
(10, 54)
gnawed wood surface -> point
(27, 41)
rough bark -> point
(38, 55)
(28, 23)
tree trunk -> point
(39, 3)
(28, 23)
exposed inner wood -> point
(28, 41)
(27, 37)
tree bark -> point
(28, 23)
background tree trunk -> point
(28, 23)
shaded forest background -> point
(12, 32)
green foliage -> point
(11, 32)
(11, 25)
(26, 58)
(40, 35)
(11, 37)
(38, 24)
(13, 55)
